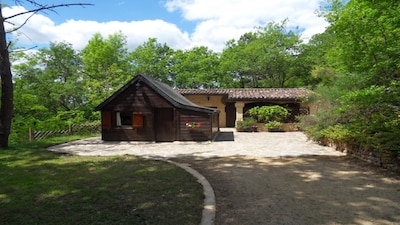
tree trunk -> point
(6, 105)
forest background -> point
(353, 69)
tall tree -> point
(367, 34)
(105, 65)
(196, 68)
(269, 57)
(6, 105)
(281, 63)
(236, 62)
(154, 59)
(54, 76)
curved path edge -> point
(208, 215)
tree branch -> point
(44, 7)
(17, 28)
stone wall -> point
(382, 159)
(287, 127)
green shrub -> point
(247, 124)
(274, 125)
(367, 118)
(265, 114)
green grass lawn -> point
(41, 187)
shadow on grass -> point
(40, 187)
(300, 190)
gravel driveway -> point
(231, 143)
(274, 178)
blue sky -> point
(111, 10)
(182, 24)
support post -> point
(239, 111)
(30, 134)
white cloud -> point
(222, 20)
(41, 30)
(217, 21)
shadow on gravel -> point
(300, 190)
(225, 136)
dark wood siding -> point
(164, 124)
(215, 124)
(199, 133)
(131, 134)
(137, 100)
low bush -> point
(247, 124)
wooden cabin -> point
(147, 110)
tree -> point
(236, 62)
(270, 57)
(105, 65)
(316, 51)
(54, 76)
(196, 68)
(367, 34)
(154, 59)
(6, 105)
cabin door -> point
(164, 124)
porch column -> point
(222, 116)
(239, 111)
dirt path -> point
(287, 180)
(300, 190)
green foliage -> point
(266, 114)
(366, 39)
(360, 107)
(49, 91)
(106, 66)
(274, 125)
(199, 59)
(373, 115)
(368, 118)
(153, 59)
(247, 124)
(270, 57)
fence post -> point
(70, 129)
(30, 134)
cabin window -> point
(129, 119)
(124, 118)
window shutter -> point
(137, 121)
(105, 120)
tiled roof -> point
(252, 93)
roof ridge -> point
(168, 93)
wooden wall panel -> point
(141, 101)
(200, 133)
